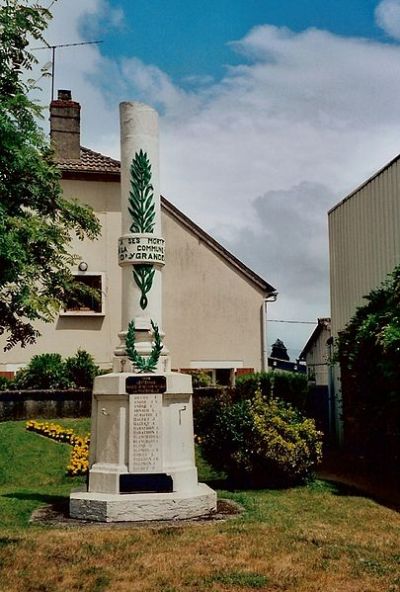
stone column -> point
(142, 461)
(141, 251)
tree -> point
(368, 350)
(279, 351)
(36, 222)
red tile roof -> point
(90, 162)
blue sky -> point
(188, 38)
(270, 113)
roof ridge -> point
(365, 183)
(97, 166)
(217, 246)
(84, 149)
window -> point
(87, 305)
(222, 371)
(224, 376)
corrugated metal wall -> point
(364, 239)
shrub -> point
(288, 444)
(261, 442)
(5, 383)
(201, 378)
(44, 371)
(287, 386)
(203, 408)
(50, 371)
(81, 369)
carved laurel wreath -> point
(148, 364)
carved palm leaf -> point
(141, 196)
(143, 276)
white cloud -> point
(77, 68)
(288, 245)
(387, 15)
(258, 157)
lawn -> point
(314, 538)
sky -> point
(271, 111)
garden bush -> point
(50, 371)
(260, 441)
(44, 371)
(287, 386)
(5, 383)
(81, 369)
(201, 379)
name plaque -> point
(145, 385)
(141, 248)
(145, 434)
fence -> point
(49, 404)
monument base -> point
(101, 507)
(142, 460)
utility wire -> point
(296, 322)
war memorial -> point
(142, 464)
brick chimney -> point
(65, 122)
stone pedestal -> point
(142, 464)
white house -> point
(214, 305)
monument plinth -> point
(142, 464)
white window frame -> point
(213, 365)
(216, 364)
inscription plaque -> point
(153, 482)
(143, 385)
(141, 248)
(145, 441)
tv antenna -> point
(53, 56)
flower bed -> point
(79, 458)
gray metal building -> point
(364, 247)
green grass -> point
(239, 579)
(32, 470)
(308, 539)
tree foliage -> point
(279, 350)
(36, 222)
(369, 354)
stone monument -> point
(142, 463)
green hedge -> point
(287, 386)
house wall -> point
(211, 312)
(364, 238)
(317, 359)
(96, 334)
